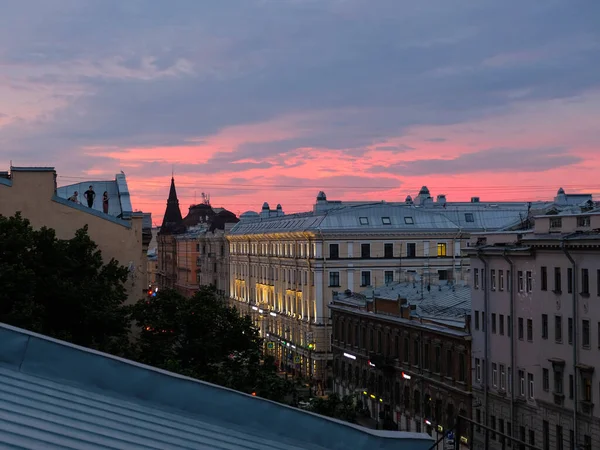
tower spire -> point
(172, 220)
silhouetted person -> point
(90, 195)
(73, 198)
(105, 202)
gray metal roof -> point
(374, 217)
(54, 395)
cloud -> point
(492, 160)
(437, 139)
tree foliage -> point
(335, 406)
(61, 288)
(203, 338)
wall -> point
(32, 193)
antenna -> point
(172, 170)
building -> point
(193, 250)
(58, 395)
(172, 225)
(285, 268)
(119, 233)
(536, 325)
(404, 351)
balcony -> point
(587, 407)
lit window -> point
(386, 221)
(364, 220)
(441, 249)
(409, 220)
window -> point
(544, 286)
(598, 282)
(469, 217)
(530, 385)
(520, 328)
(501, 324)
(438, 360)
(571, 386)
(416, 348)
(557, 280)
(494, 323)
(406, 354)
(426, 357)
(364, 220)
(388, 277)
(386, 221)
(522, 383)
(556, 222)
(508, 281)
(570, 280)
(411, 250)
(585, 282)
(502, 376)
(409, 221)
(544, 326)
(441, 249)
(570, 331)
(365, 278)
(585, 333)
(558, 381)
(476, 278)
(334, 279)
(334, 251)
(529, 281)
(583, 221)
(558, 329)
(449, 359)
(545, 380)
(509, 326)
(388, 250)
(529, 330)
(477, 320)
(365, 251)
(520, 281)
(478, 369)
(494, 375)
(501, 280)
(546, 435)
(492, 279)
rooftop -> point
(119, 199)
(55, 395)
(445, 303)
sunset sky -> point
(274, 100)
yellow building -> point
(120, 233)
(286, 269)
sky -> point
(275, 100)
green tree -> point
(335, 406)
(203, 338)
(61, 288)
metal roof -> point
(383, 217)
(54, 395)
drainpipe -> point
(575, 341)
(486, 301)
(512, 341)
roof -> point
(119, 199)
(55, 395)
(172, 220)
(390, 217)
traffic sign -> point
(270, 345)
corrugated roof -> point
(55, 395)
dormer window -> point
(469, 217)
(363, 220)
(386, 221)
(409, 221)
(556, 222)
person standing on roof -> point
(90, 195)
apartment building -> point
(285, 268)
(404, 350)
(119, 232)
(536, 332)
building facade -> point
(119, 233)
(536, 331)
(405, 354)
(285, 268)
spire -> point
(172, 220)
